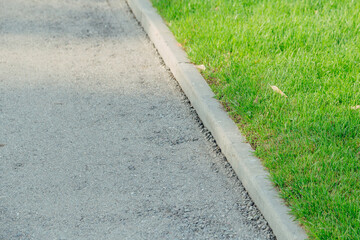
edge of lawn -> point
(238, 152)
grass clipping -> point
(277, 90)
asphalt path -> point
(97, 140)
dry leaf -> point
(256, 100)
(355, 107)
(201, 67)
(276, 89)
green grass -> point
(309, 49)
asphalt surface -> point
(97, 140)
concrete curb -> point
(240, 155)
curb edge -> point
(248, 168)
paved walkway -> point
(97, 140)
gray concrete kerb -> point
(239, 153)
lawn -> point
(309, 139)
